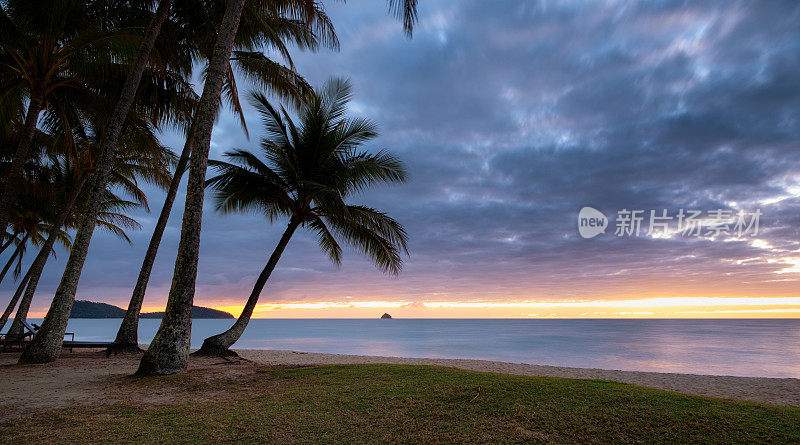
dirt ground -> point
(89, 378)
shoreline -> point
(770, 390)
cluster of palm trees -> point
(85, 87)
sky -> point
(512, 116)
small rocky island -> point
(386, 316)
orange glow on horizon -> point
(650, 307)
(665, 307)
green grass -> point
(385, 403)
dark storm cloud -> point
(511, 116)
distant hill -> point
(91, 309)
(197, 312)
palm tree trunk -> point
(128, 336)
(8, 243)
(219, 344)
(14, 255)
(14, 176)
(169, 350)
(14, 299)
(33, 275)
(37, 267)
(46, 344)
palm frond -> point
(272, 120)
(270, 75)
(334, 97)
(406, 11)
(380, 250)
(381, 223)
(325, 239)
(239, 189)
(231, 95)
(365, 169)
(306, 171)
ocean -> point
(749, 347)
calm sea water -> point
(765, 348)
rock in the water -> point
(386, 316)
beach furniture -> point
(18, 341)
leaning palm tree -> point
(261, 27)
(169, 350)
(71, 161)
(307, 173)
(47, 342)
(111, 218)
(141, 157)
(60, 52)
(41, 203)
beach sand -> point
(88, 377)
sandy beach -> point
(90, 378)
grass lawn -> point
(388, 403)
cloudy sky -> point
(511, 116)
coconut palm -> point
(32, 187)
(137, 161)
(111, 219)
(169, 350)
(141, 158)
(30, 216)
(306, 173)
(262, 27)
(47, 342)
(61, 52)
(31, 213)
(35, 228)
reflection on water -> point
(768, 348)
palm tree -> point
(47, 342)
(141, 157)
(36, 235)
(34, 203)
(111, 219)
(44, 235)
(307, 173)
(45, 55)
(261, 27)
(63, 237)
(169, 350)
